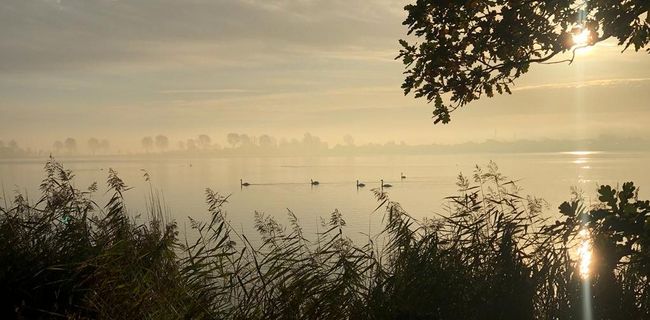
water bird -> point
(385, 185)
(360, 184)
(243, 184)
(314, 183)
(402, 175)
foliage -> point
(479, 47)
(620, 228)
(490, 255)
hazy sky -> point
(123, 69)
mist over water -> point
(279, 184)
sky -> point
(122, 70)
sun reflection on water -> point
(581, 160)
(581, 153)
(585, 253)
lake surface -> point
(279, 184)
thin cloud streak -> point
(190, 91)
(582, 84)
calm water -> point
(283, 183)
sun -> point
(581, 38)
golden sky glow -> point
(125, 69)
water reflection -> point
(581, 160)
(281, 183)
(582, 153)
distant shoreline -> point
(603, 144)
(181, 156)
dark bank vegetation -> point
(491, 256)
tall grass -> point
(491, 255)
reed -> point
(491, 254)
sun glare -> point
(582, 38)
(584, 253)
(581, 160)
(581, 153)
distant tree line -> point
(241, 144)
(69, 146)
(11, 149)
(237, 143)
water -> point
(279, 184)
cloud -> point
(45, 36)
(583, 84)
(190, 91)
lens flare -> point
(581, 38)
(585, 253)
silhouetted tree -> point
(70, 145)
(313, 142)
(266, 141)
(233, 139)
(58, 146)
(472, 48)
(12, 149)
(147, 143)
(104, 145)
(245, 140)
(162, 142)
(204, 141)
(93, 145)
(191, 145)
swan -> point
(360, 184)
(314, 183)
(385, 185)
(243, 184)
